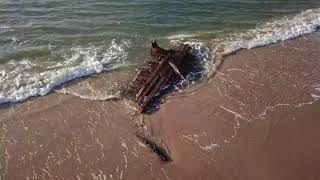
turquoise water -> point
(44, 43)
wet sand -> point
(257, 118)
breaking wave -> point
(23, 79)
(271, 32)
(274, 31)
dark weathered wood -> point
(151, 78)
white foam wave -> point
(95, 97)
(275, 31)
(181, 36)
(3, 99)
(17, 84)
(4, 27)
(316, 94)
(116, 52)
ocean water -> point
(45, 43)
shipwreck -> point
(155, 75)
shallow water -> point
(49, 42)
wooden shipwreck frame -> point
(155, 75)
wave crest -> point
(272, 32)
(17, 84)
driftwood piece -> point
(155, 75)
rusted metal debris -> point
(155, 75)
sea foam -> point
(281, 29)
(276, 30)
(19, 84)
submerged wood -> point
(155, 75)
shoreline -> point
(16, 88)
(239, 125)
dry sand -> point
(257, 118)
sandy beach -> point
(256, 118)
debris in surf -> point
(152, 77)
